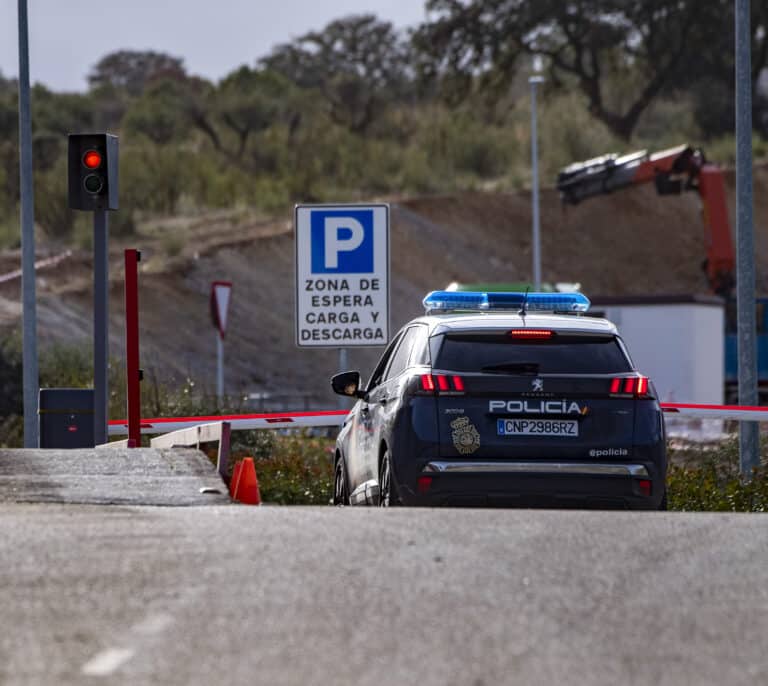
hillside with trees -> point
(434, 120)
(357, 109)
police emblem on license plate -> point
(466, 438)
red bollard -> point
(133, 373)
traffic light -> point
(92, 171)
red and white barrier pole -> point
(241, 422)
(297, 420)
(737, 412)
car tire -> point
(340, 487)
(663, 503)
(387, 491)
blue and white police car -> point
(503, 399)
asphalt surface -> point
(113, 476)
(271, 595)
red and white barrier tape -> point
(296, 420)
(738, 412)
(239, 422)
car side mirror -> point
(347, 383)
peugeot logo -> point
(538, 384)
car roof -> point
(465, 321)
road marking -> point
(107, 661)
(153, 624)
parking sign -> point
(342, 275)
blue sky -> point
(68, 36)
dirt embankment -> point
(631, 242)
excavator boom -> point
(672, 171)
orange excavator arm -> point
(672, 171)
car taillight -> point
(642, 386)
(442, 383)
(633, 385)
(531, 334)
(423, 484)
(427, 383)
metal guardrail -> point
(192, 437)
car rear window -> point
(498, 353)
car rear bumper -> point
(510, 483)
(589, 468)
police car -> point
(503, 399)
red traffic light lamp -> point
(92, 159)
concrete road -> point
(241, 595)
(114, 476)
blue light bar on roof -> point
(445, 301)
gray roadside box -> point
(66, 418)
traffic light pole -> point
(92, 165)
(100, 325)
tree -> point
(132, 70)
(9, 152)
(707, 71)
(197, 98)
(359, 64)
(7, 86)
(158, 114)
(250, 101)
(61, 113)
(588, 43)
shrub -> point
(52, 211)
(710, 481)
(293, 469)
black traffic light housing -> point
(92, 165)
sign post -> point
(30, 375)
(749, 432)
(536, 241)
(220, 296)
(342, 276)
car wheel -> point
(387, 496)
(663, 503)
(340, 490)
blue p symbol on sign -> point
(342, 242)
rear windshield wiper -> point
(514, 367)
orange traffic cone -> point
(247, 487)
(235, 477)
